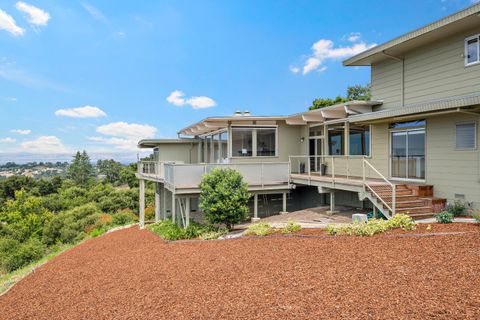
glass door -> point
(407, 157)
(315, 148)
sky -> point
(101, 75)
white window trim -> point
(474, 136)
(465, 51)
(254, 140)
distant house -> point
(410, 149)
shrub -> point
(373, 226)
(402, 221)
(14, 255)
(212, 235)
(458, 208)
(150, 213)
(476, 217)
(123, 217)
(444, 217)
(291, 226)
(258, 229)
(224, 197)
(98, 231)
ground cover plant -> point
(457, 208)
(444, 217)
(291, 226)
(373, 226)
(170, 231)
(258, 229)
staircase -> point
(415, 200)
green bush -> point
(444, 217)
(258, 229)
(14, 255)
(291, 226)
(123, 217)
(373, 226)
(98, 231)
(224, 197)
(168, 230)
(212, 235)
(458, 208)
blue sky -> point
(99, 75)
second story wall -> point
(185, 152)
(431, 72)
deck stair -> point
(416, 200)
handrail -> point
(392, 208)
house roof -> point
(462, 20)
(152, 143)
(419, 108)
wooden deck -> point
(338, 179)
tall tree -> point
(356, 92)
(81, 169)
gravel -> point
(133, 274)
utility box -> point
(359, 218)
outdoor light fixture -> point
(302, 139)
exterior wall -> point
(432, 72)
(186, 152)
(451, 171)
(288, 144)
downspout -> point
(402, 80)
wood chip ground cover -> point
(133, 274)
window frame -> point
(465, 51)
(475, 133)
(253, 128)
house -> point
(410, 149)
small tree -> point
(80, 170)
(224, 197)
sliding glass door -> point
(408, 154)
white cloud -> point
(44, 145)
(12, 99)
(124, 135)
(354, 36)
(21, 131)
(8, 23)
(324, 50)
(36, 16)
(294, 69)
(7, 140)
(81, 112)
(177, 98)
(94, 12)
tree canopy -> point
(356, 92)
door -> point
(407, 156)
(315, 148)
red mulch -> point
(132, 274)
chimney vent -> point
(246, 113)
(237, 113)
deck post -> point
(332, 203)
(187, 211)
(284, 202)
(142, 203)
(255, 208)
(174, 213)
(375, 213)
(157, 201)
(164, 203)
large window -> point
(254, 141)
(465, 135)
(242, 142)
(266, 142)
(472, 50)
(359, 143)
(336, 136)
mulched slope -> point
(132, 274)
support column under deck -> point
(174, 211)
(255, 208)
(332, 203)
(141, 212)
(187, 211)
(157, 201)
(284, 203)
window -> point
(472, 50)
(336, 136)
(224, 144)
(242, 142)
(408, 124)
(465, 135)
(254, 141)
(359, 140)
(266, 142)
(316, 131)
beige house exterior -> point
(410, 149)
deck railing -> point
(341, 167)
(154, 168)
(259, 174)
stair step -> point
(422, 215)
(410, 204)
(414, 210)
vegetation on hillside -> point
(356, 92)
(39, 215)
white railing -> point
(156, 168)
(333, 166)
(255, 174)
(340, 167)
(367, 166)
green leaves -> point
(224, 197)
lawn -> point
(133, 274)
